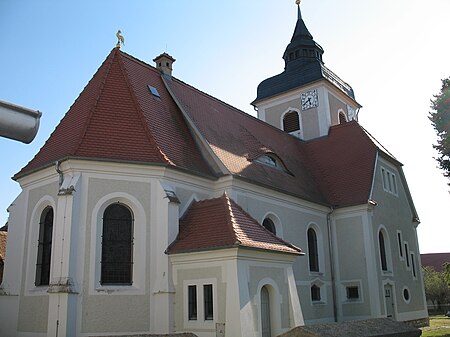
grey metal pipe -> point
(18, 123)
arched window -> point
(265, 313)
(313, 252)
(44, 248)
(291, 122)
(117, 245)
(382, 251)
(342, 118)
(269, 225)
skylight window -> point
(154, 91)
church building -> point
(155, 208)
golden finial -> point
(298, 2)
(120, 39)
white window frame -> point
(407, 255)
(33, 237)
(403, 296)
(323, 292)
(298, 133)
(139, 246)
(389, 181)
(341, 111)
(413, 264)
(348, 284)
(400, 246)
(276, 221)
(388, 251)
(200, 322)
(320, 249)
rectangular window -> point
(388, 178)
(400, 248)
(389, 181)
(394, 184)
(208, 301)
(315, 293)
(383, 178)
(192, 303)
(413, 265)
(352, 293)
(406, 254)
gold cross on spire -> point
(120, 39)
(298, 2)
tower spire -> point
(299, 13)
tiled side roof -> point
(238, 139)
(343, 163)
(334, 170)
(435, 260)
(116, 118)
(3, 237)
(221, 223)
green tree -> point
(436, 286)
(446, 266)
(440, 119)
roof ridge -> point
(231, 219)
(99, 92)
(378, 144)
(235, 204)
(150, 137)
(247, 115)
(134, 59)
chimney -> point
(164, 64)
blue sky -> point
(393, 54)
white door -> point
(265, 313)
(389, 299)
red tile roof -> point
(221, 223)
(435, 260)
(336, 170)
(344, 163)
(237, 139)
(117, 118)
(3, 237)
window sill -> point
(200, 324)
(353, 301)
(118, 289)
(37, 291)
(318, 302)
(316, 273)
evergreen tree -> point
(440, 119)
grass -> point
(439, 327)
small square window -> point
(352, 293)
(315, 293)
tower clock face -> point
(309, 99)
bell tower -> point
(307, 97)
